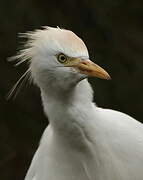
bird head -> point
(59, 58)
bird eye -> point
(62, 58)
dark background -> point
(113, 32)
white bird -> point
(82, 141)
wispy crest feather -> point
(28, 49)
(24, 55)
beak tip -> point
(109, 77)
(105, 76)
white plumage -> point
(82, 141)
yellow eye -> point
(62, 58)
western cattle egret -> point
(82, 141)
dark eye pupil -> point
(62, 58)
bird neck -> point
(68, 112)
(80, 94)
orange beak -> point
(91, 69)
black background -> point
(113, 32)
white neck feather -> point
(81, 94)
(68, 112)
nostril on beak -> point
(86, 62)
